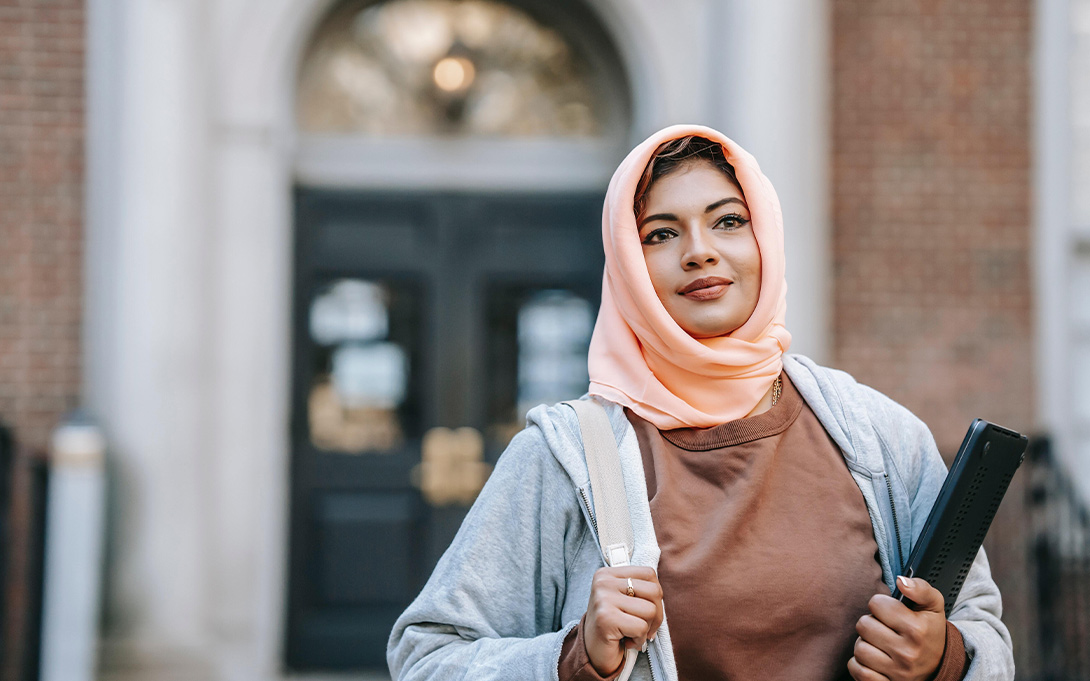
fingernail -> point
(903, 581)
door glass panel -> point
(538, 354)
(362, 332)
(553, 333)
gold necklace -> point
(777, 388)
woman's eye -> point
(732, 221)
(658, 236)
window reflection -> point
(554, 330)
(538, 353)
(362, 375)
(469, 67)
(350, 310)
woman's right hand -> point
(616, 621)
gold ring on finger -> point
(631, 591)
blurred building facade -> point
(312, 239)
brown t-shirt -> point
(768, 554)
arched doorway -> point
(452, 160)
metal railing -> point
(1060, 567)
(24, 475)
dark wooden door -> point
(412, 313)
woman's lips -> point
(706, 293)
(705, 288)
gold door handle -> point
(452, 468)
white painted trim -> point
(105, 58)
(1051, 178)
(486, 165)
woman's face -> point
(700, 249)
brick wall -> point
(932, 234)
(41, 195)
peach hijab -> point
(640, 357)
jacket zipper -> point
(590, 512)
(896, 528)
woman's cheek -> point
(660, 278)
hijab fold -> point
(639, 356)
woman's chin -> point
(708, 319)
(709, 328)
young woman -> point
(772, 500)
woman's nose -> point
(698, 250)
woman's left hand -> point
(898, 643)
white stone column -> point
(145, 370)
(250, 270)
(770, 78)
(249, 444)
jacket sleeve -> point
(491, 609)
(978, 609)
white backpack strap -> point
(606, 482)
(607, 485)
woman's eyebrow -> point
(659, 216)
(722, 202)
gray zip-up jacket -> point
(517, 577)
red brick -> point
(931, 214)
(41, 191)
